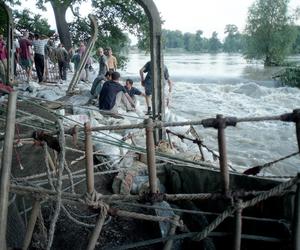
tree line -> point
(270, 34)
(233, 42)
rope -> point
(199, 142)
(255, 170)
(59, 185)
(69, 172)
(272, 192)
(201, 235)
(49, 174)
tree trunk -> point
(61, 23)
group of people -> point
(35, 51)
(112, 94)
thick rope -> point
(49, 174)
(58, 185)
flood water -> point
(209, 84)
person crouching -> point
(113, 95)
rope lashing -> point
(256, 170)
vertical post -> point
(89, 158)
(238, 226)
(97, 230)
(150, 147)
(32, 220)
(223, 154)
(156, 64)
(296, 217)
(6, 164)
(296, 114)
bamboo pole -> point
(223, 154)
(6, 165)
(33, 216)
(238, 226)
(172, 231)
(97, 230)
(89, 158)
(150, 146)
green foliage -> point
(290, 77)
(296, 44)
(269, 31)
(3, 21)
(26, 20)
(214, 44)
(115, 19)
(173, 39)
(234, 41)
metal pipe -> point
(32, 220)
(150, 146)
(238, 226)
(6, 164)
(296, 217)
(97, 230)
(223, 154)
(89, 158)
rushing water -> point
(206, 85)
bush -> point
(290, 77)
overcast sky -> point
(190, 15)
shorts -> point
(25, 63)
(148, 88)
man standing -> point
(113, 94)
(62, 56)
(103, 68)
(147, 83)
(111, 60)
(25, 56)
(39, 53)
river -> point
(209, 84)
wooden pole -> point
(238, 226)
(6, 165)
(296, 217)
(32, 220)
(150, 147)
(89, 158)
(223, 154)
(172, 232)
(97, 230)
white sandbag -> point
(48, 94)
(78, 100)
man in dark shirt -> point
(147, 83)
(113, 93)
(132, 91)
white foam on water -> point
(248, 144)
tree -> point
(173, 39)
(214, 44)
(269, 31)
(26, 20)
(233, 41)
(122, 15)
(296, 44)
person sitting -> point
(132, 91)
(113, 94)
